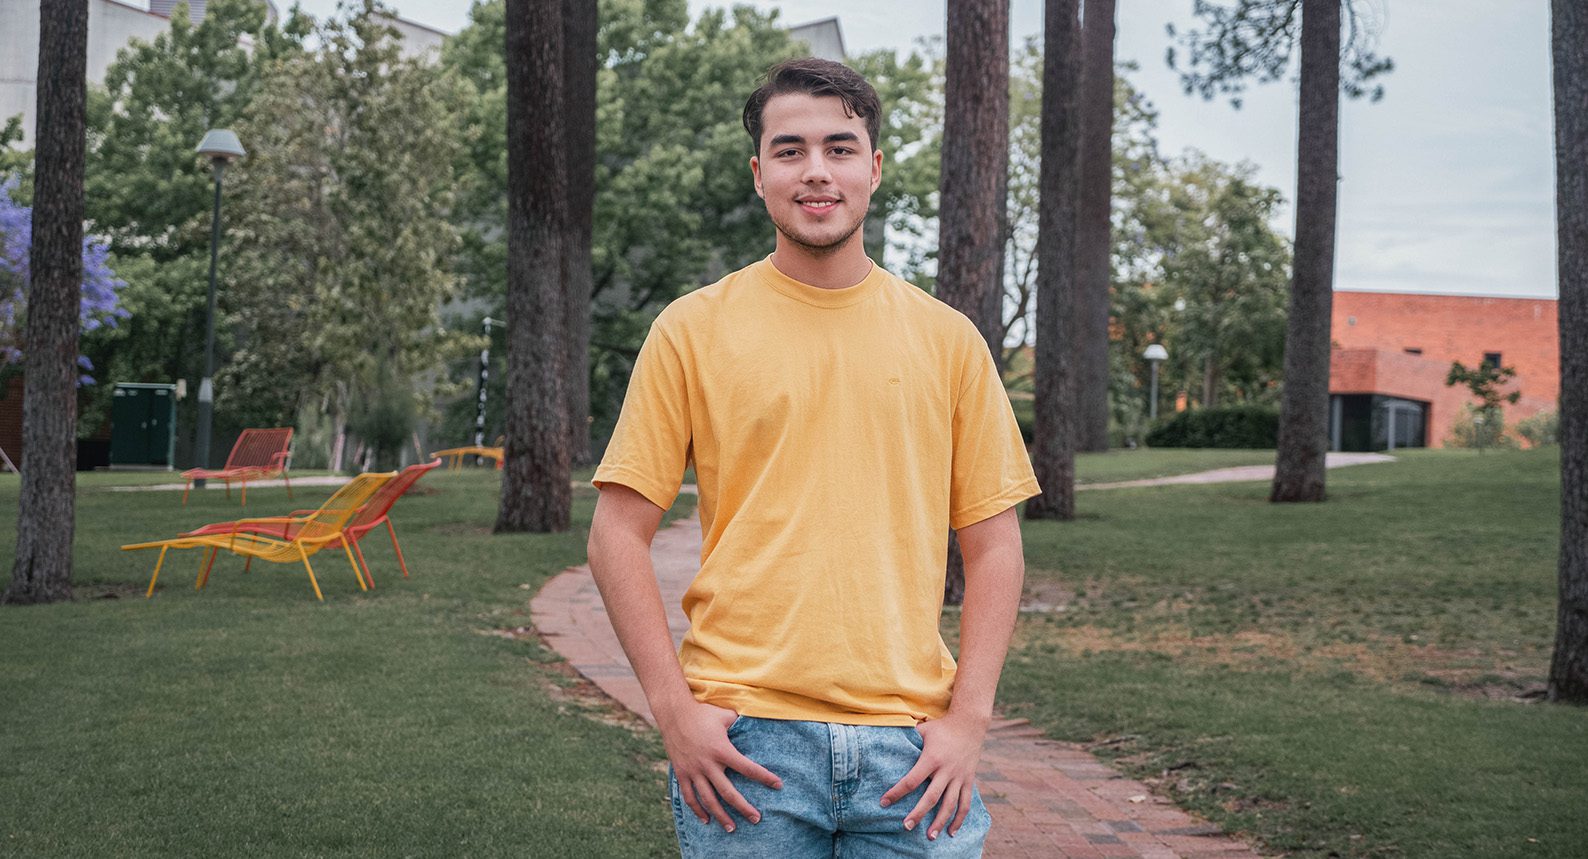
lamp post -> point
(221, 147)
(1155, 355)
(485, 375)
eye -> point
(786, 152)
(842, 150)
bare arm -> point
(994, 573)
(695, 734)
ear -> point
(876, 170)
(755, 172)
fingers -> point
(731, 794)
(909, 783)
(708, 799)
(965, 796)
(934, 792)
(754, 771)
(687, 791)
(945, 811)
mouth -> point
(817, 205)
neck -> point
(837, 268)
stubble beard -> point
(812, 246)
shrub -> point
(1479, 428)
(1540, 429)
(1224, 427)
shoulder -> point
(700, 307)
(946, 323)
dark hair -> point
(818, 77)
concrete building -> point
(111, 25)
(1392, 351)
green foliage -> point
(1479, 428)
(343, 233)
(1257, 38)
(385, 417)
(1246, 426)
(1540, 429)
(151, 197)
(1482, 425)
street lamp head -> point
(221, 144)
(1156, 352)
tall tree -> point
(1568, 670)
(1304, 409)
(42, 571)
(1257, 38)
(975, 160)
(1053, 456)
(974, 182)
(535, 481)
(1094, 220)
(579, 76)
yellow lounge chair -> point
(308, 534)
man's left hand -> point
(951, 750)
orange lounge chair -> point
(258, 454)
(320, 529)
(369, 517)
(455, 455)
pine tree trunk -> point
(535, 478)
(1093, 229)
(1053, 454)
(42, 570)
(975, 168)
(579, 73)
(1568, 670)
(1304, 408)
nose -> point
(816, 171)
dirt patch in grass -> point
(573, 692)
(1468, 673)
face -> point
(815, 170)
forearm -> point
(622, 570)
(993, 579)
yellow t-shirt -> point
(836, 434)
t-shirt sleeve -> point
(650, 445)
(991, 470)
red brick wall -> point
(1372, 330)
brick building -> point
(1392, 351)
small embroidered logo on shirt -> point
(893, 381)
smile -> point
(818, 205)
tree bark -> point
(975, 169)
(579, 75)
(1304, 407)
(536, 474)
(1093, 258)
(1053, 456)
(42, 570)
(1568, 669)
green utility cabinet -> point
(143, 424)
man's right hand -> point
(696, 737)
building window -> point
(1414, 350)
(1491, 359)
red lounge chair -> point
(258, 454)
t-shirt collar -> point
(815, 295)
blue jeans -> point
(830, 805)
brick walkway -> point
(1048, 799)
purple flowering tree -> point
(100, 305)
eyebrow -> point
(837, 137)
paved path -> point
(1048, 799)
(212, 483)
(1240, 473)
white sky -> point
(1447, 184)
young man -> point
(839, 421)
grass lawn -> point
(251, 720)
(1344, 679)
